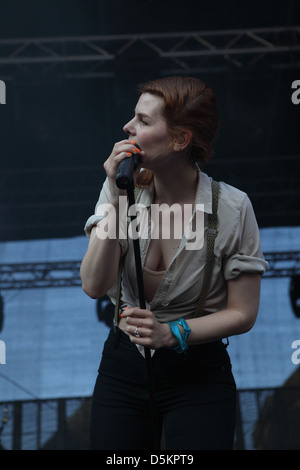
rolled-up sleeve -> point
(101, 212)
(98, 214)
(244, 253)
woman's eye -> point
(144, 122)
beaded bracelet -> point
(182, 346)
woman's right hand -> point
(123, 149)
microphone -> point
(126, 169)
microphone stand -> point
(139, 275)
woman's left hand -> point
(144, 329)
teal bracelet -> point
(182, 346)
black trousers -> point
(195, 398)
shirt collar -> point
(203, 193)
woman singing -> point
(172, 130)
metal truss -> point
(98, 56)
(37, 275)
(283, 264)
(66, 273)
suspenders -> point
(210, 243)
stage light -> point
(295, 294)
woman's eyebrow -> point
(141, 114)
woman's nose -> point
(129, 128)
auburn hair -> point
(190, 104)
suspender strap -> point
(211, 236)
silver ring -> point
(136, 332)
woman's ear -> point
(182, 140)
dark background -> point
(61, 119)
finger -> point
(121, 156)
(137, 331)
(121, 150)
(142, 340)
(132, 142)
(135, 313)
(126, 145)
(128, 311)
(111, 165)
(116, 158)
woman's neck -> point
(178, 184)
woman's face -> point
(149, 129)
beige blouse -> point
(237, 250)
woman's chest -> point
(161, 253)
